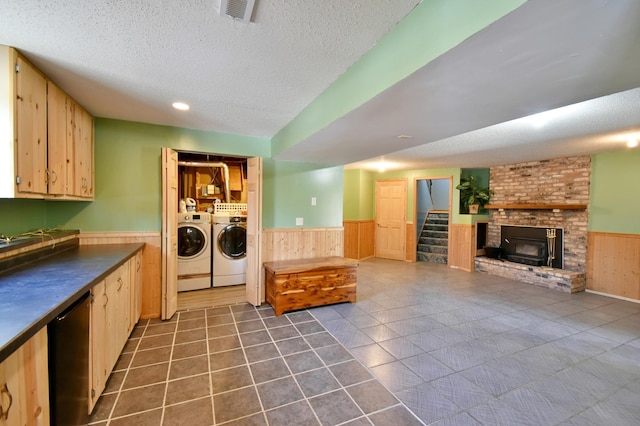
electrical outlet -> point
(299, 221)
(313, 201)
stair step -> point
(438, 221)
(435, 234)
(431, 257)
(434, 241)
(428, 248)
(435, 227)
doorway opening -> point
(432, 218)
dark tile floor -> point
(456, 348)
(237, 365)
(462, 348)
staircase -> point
(434, 238)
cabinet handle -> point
(119, 282)
(4, 413)
(138, 266)
(55, 176)
(106, 299)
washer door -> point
(191, 241)
(232, 241)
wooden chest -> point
(305, 283)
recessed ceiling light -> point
(404, 137)
(632, 143)
(181, 106)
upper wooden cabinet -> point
(46, 141)
(31, 129)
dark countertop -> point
(34, 294)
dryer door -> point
(232, 241)
(191, 241)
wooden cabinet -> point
(83, 151)
(135, 269)
(24, 384)
(70, 146)
(304, 283)
(98, 372)
(31, 129)
(60, 154)
(46, 138)
(114, 312)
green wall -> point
(18, 216)
(362, 189)
(614, 205)
(431, 29)
(128, 174)
(358, 195)
(288, 187)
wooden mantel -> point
(535, 206)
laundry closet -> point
(212, 217)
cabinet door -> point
(24, 384)
(83, 151)
(135, 270)
(60, 151)
(118, 311)
(31, 129)
(98, 372)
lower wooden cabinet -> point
(114, 313)
(135, 269)
(24, 384)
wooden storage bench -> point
(305, 283)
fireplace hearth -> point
(528, 245)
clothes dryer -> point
(230, 251)
(194, 251)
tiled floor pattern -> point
(237, 365)
(463, 348)
(457, 348)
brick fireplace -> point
(542, 194)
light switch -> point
(299, 221)
(313, 201)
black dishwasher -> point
(69, 365)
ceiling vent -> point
(240, 10)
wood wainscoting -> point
(151, 263)
(613, 264)
(411, 244)
(301, 243)
(359, 238)
(462, 247)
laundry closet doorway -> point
(204, 189)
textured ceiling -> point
(131, 59)
(544, 55)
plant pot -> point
(473, 208)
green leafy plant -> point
(471, 193)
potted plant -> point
(472, 195)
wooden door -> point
(58, 150)
(169, 233)
(391, 213)
(254, 272)
(31, 129)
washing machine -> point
(230, 249)
(194, 251)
